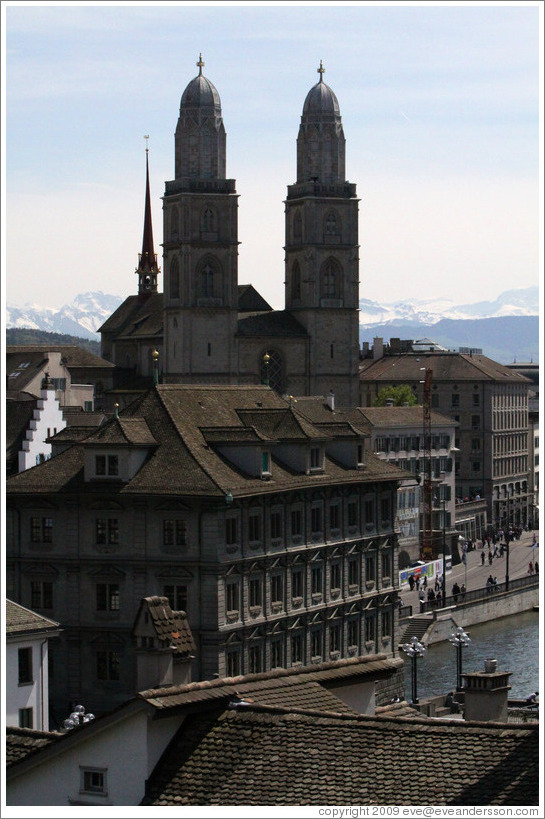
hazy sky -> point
(440, 108)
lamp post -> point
(414, 649)
(444, 577)
(459, 639)
(507, 540)
(77, 717)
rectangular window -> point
(385, 511)
(107, 597)
(335, 637)
(296, 523)
(26, 718)
(476, 400)
(370, 567)
(353, 571)
(415, 442)
(444, 441)
(232, 596)
(41, 530)
(177, 596)
(316, 580)
(276, 525)
(297, 583)
(254, 528)
(277, 653)
(352, 512)
(369, 513)
(100, 464)
(360, 454)
(277, 588)
(255, 591)
(315, 458)
(316, 519)
(265, 463)
(93, 781)
(107, 665)
(233, 662)
(386, 623)
(174, 533)
(41, 594)
(297, 648)
(106, 465)
(335, 575)
(231, 531)
(254, 655)
(25, 666)
(353, 633)
(107, 531)
(455, 400)
(434, 400)
(475, 422)
(475, 444)
(381, 445)
(386, 564)
(370, 629)
(334, 516)
(476, 466)
(316, 643)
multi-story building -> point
(274, 534)
(206, 327)
(489, 402)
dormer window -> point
(316, 459)
(265, 464)
(106, 465)
(360, 461)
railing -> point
(405, 611)
(480, 594)
(526, 714)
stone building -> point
(489, 402)
(206, 327)
(274, 534)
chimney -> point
(331, 400)
(389, 402)
(486, 694)
(378, 348)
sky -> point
(440, 109)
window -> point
(476, 400)
(207, 281)
(255, 591)
(353, 633)
(209, 221)
(254, 527)
(386, 564)
(386, 623)
(41, 530)
(231, 531)
(353, 571)
(174, 533)
(334, 516)
(255, 655)
(369, 509)
(233, 662)
(352, 511)
(296, 282)
(370, 567)
(317, 580)
(58, 383)
(316, 642)
(232, 597)
(297, 648)
(177, 596)
(107, 597)
(335, 637)
(475, 422)
(26, 718)
(370, 629)
(93, 780)
(315, 458)
(385, 511)
(25, 666)
(435, 400)
(107, 531)
(335, 575)
(360, 454)
(277, 652)
(41, 594)
(297, 583)
(277, 588)
(276, 525)
(330, 280)
(108, 665)
(455, 399)
(316, 519)
(296, 523)
(106, 465)
(382, 445)
(476, 466)
(475, 444)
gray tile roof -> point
(171, 627)
(74, 355)
(275, 324)
(123, 431)
(251, 755)
(21, 621)
(24, 742)
(403, 417)
(445, 366)
(249, 300)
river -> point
(513, 641)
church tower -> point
(200, 246)
(147, 269)
(322, 260)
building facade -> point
(274, 534)
(202, 324)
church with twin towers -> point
(206, 327)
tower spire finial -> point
(321, 71)
(200, 65)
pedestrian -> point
(536, 567)
(437, 583)
(451, 703)
(482, 558)
(534, 539)
(425, 582)
(422, 598)
(417, 582)
(489, 558)
(463, 591)
(489, 584)
(530, 567)
(455, 592)
(411, 582)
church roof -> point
(136, 316)
(249, 300)
(278, 323)
(201, 94)
(321, 100)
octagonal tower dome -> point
(320, 142)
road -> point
(474, 575)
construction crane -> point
(427, 491)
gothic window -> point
(208, 221)
(174, 279)
(272, 370)
(174, 222)
(297, 227)
(296, 282)
(207, 281)
(330, 280)
(331, 226)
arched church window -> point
(330, 280)
(174, 222)
(174, 279)
(209, 221)
(297, 226)
(272, 370)
(296, 282)
(207, 281)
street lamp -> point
(414, 649)
(459, 639)
(77, 717)
(507, 540)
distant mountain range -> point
(506, 329)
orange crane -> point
(427, 492)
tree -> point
(400, 395)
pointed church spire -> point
(147, 263)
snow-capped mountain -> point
(82, 317)
(511, 303)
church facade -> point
(207, 327)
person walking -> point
(530, 567)
(536, 567)
(482, 558)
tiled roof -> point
(284, 683)
(18, 415)
(171, 627)
(74, 355)
(445, 366)
(249, 300)
(123, 431)
(250, 755)
(23, 364)
(183, 463)
(403, 417)
(129, 311)
(276, 323)
(23, 742)
(21, 621)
